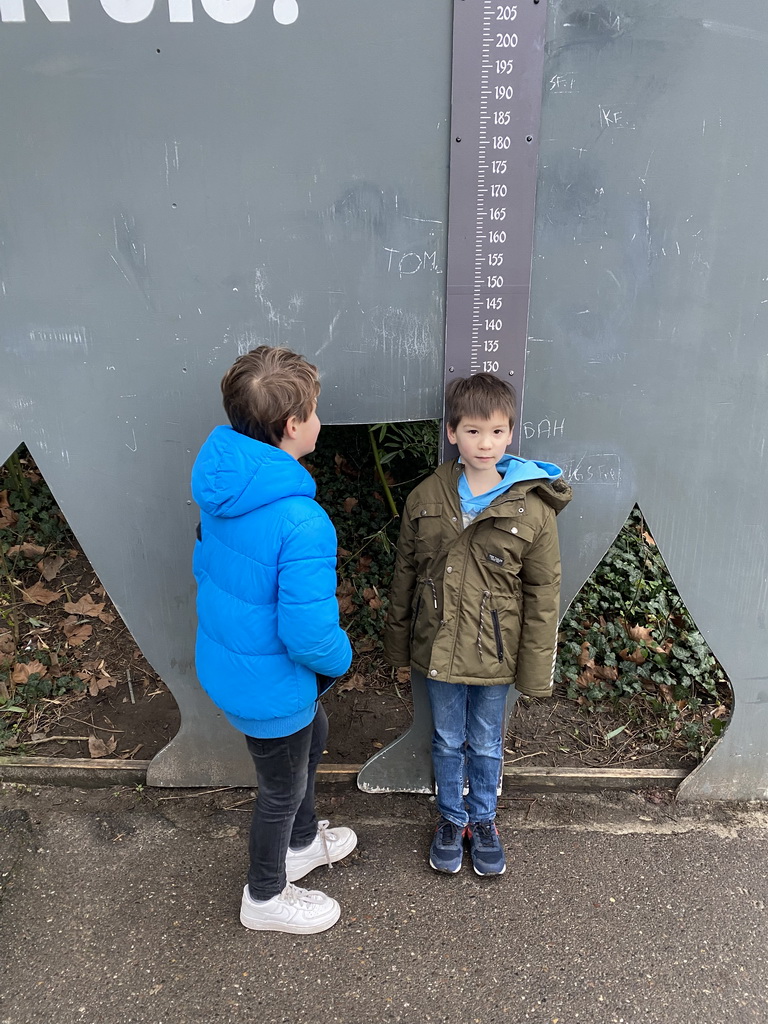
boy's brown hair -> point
(479, 397)
(265, 387)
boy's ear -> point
(291, 425)
(451, 433)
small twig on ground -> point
(130, 685)
(53, 739)
(554, 709)
(239, 803)
(99, 728)
(524, 756)
(200, 792)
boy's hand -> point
(403, 674)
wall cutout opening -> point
(73, 683)
(636, 685)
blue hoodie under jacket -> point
(268, 619)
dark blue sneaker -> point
(447, 847)
(486, 849)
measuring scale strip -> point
(498, 61)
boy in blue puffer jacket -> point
(269, 640)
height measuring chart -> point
(498, 61)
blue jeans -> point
(284, 812)
(467, 741)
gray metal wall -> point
(172, 194)
(648, 359)
(258, 181)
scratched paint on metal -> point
(184, 180)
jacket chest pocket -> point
(515, 535)
(429, 525)
(503, 547)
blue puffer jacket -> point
(268, 619)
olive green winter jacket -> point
(478, 605)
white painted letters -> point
(180, 11)
(54, 10)
(128, 12)
(229, 12)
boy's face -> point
(481, 443)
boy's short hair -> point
(265, 387)
(479, 397)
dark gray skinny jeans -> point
(284, 812)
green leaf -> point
(615, 732)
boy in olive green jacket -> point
(474, 607)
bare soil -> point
(135, 715)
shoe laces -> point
(294, 895)
(322, 831)
(486, 833)
(448, 832)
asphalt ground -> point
(120, 906)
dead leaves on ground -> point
(95, 676)
(8, 518)
(101, 748)
(49, 566)
(355, 682)
(87, 606)
(345, 594)
(38, 593)
(643, 645)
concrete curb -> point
(47, 771)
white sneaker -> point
(328, 846)
(300, 911)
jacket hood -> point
(544, 477)
(555, 493)
(520, 477)
(234, 474)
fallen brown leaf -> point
(22, 670)
(7, 516)
(50, 566)
(38, 594)
(7, 643)
(606, 672)
(640, 634)
(85, 606)
(637, 657)
(98, 748)
(584, 658)
(26, 550)
(355, 682)
(99, 683)
(76, 633)
(349, 504)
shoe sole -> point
(291, 928)
(489, 874)
(444, 871)
(319, 862)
